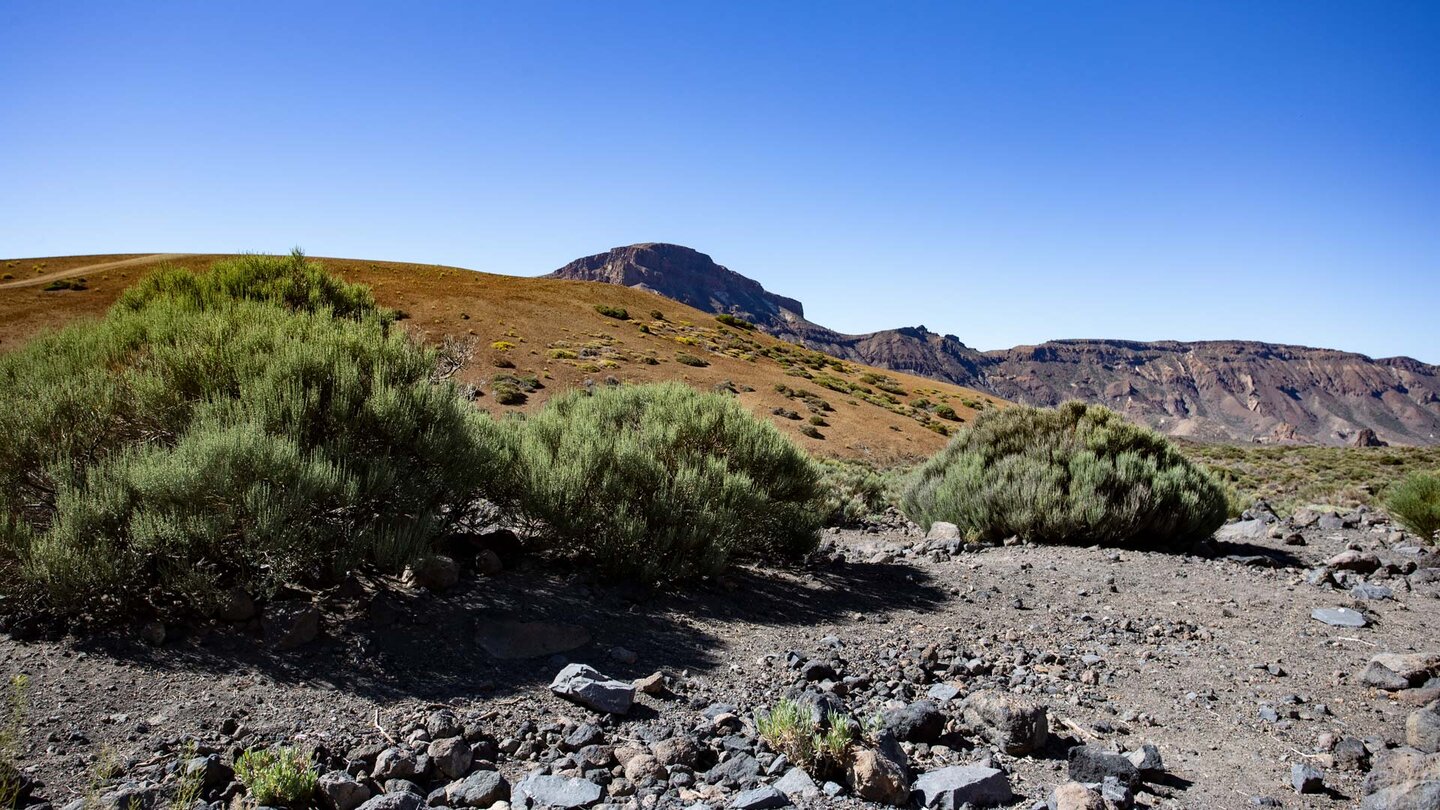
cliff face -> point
(1212, 390)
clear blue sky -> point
(1009, 172)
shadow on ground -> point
(398, 643)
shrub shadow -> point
(396, 643)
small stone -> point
(878, 778)
(339, 790)
(235, 606)
(653, 684)
(1075, 796)
(394, 801)
(479, 789)
(153, 633)
(435, 572)
(1091, 764)
(1016, 726)
(290, 623)
(623, 655)
(921, 721)
(942, 692)
(818, 671)
(396, 763)
(761, 798)
(542, 790)
(487, 563)
(797, 783)
(1147, 760)
(1370, 592)
(451, 756)
(1305, 779)
(1422, 729)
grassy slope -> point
(543, 318)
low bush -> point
(731, 320)
(663, 482)
(280, 777)
(608, 311)
(1415, 502)
(690, 360)
(14, 706)
(822, 750)
(189, 444)
(59, 284)
(854, 491)
(289, 282)
(1077, 473)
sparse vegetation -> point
(203, 435)
(13, 711)
(1415, 502)
(731, 320)
(690, 360)
(822, 750)
(619, 313)
(59, 284)
(1077, 473)
(281, 777)
(1291, 476)
(665, 482)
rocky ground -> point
(990, 675)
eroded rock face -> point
(1216, 390)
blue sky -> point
(1007, 172)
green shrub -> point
(657, 315)
(854, 491)
(65, 284)
(731, 320)
(281, 777)
(811, 431)
(290, 282)
(184, 444)
(945, 412)
(14, 706)
(664, 482)
(789, 729)
(613, 312)
(1415, 502)
(690, 360)
(1077, 473)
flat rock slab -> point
(1339, 617)
(542, 790)
(950, 788)
(508, 640)
(580, 684)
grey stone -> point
(235, 606)
(958, 785)
(1370, 592)
(394, 801)
(542, 790)
(761, 798)
(1147, 760)
(796, 782)
(435, 572)
(940, 530)
(921, 722)
(290, 623)
(942, 692)
(1091, 764)
(508, 640)
(1306, 779)
(740, 769)
(1339, 617)
(479, 789)
(1422, 729)
(581, 684)
(339, 790)
(397, 763)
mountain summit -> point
(1209, 390)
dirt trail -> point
(91, 268)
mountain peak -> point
(686, 275)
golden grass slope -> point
(552, 331)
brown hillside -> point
(550, 329)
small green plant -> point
(818, 421)
(562, 354)
(811, 431)
(502, 345)
(276, 777)
(657, 315)
(1415, 502)
(619, 313)
(945, 412)
(58, 284)
(731, 320)
(690, 360)
(12, 725)
(191, 785)
(789, 729)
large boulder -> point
(1403, 779)
(1395, 671)
(1089, 763)
(958, 785)
(290, 623)
(1018, 727)
(581, 684)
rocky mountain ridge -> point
(1208, 390)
